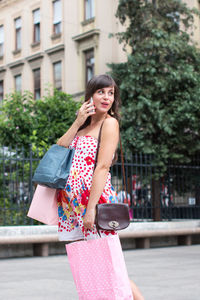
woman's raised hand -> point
(86, 110)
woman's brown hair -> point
(99, 82)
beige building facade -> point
(60, 43)
(196, 29)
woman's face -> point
(103, 99)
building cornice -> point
(35, 57)
(2, 69)
(16, 64)
(80, 37)
(55, 49)
(4, 3)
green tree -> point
(25, 121)
(54, 115)
(17, 120)
(160, 82)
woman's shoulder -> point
(110, 123)
(110, 128)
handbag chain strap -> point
(122, 160)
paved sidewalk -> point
(171, 273)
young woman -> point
(88, 185)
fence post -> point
(4, 189)
(30, 175)
(197, 194)
(156, 199)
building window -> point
(1, 91)
(57, 16)
(18, 83)
(1, 40)
(37, 89)
(89, 65)
(36, 24)
(57, 74)
(89, 9)
(18, 30)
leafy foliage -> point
(16, 119)
(160, 82)
(25, 121)
(55, 114)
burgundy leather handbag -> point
(112, 216)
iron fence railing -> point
(177, 193)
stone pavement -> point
(171, 273)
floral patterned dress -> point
(72, 201)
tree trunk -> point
(156, 200)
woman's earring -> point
(111, 112)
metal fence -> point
(174, 196)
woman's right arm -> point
(68, 137)
(86, 110)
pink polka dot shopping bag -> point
(99, 269)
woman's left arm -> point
(108, 145)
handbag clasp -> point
(113, 224)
